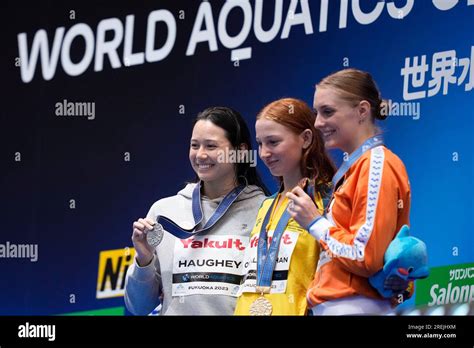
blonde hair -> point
(354, 86)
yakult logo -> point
(213, 244)
(285, 239)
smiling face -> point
(336, 118)
(279, 148)
(207, 142)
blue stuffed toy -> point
(406, 258)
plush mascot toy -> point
(405, 258)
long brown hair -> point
(297, 116)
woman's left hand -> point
(301, 207)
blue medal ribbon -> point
(266, 256)
(366, 146)
(221, 209)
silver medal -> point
(155, 236)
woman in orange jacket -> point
(370, 201)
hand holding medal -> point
(144, 251)
(148, 234)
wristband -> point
(313, 222)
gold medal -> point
(261, 307)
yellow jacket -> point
(295, 267)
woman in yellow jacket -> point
(371, 200)
(281, 258)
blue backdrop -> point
(73, 185)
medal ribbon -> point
(221, 209)
(366, 146)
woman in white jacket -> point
(200, 275)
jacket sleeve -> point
(143, 285)
(360, 246)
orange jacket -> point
(364, 215)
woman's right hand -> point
(143, 250)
